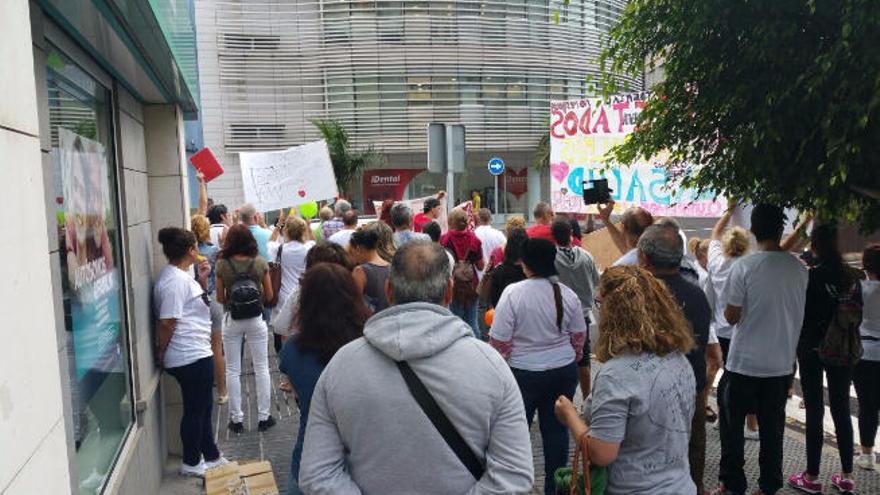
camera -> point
(597, 193)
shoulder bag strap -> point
(278, 256)
(440, 421)
(557, 297)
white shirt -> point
(871, 319)
(718, 266)
(215, 232)
(771, 289)
(177, 295)
(631, 257)
(293, 264)
(490, 238)
(342, 237)
(526, 317)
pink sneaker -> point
(801, 482)
(842, 484)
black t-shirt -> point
(698, 313)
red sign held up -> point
(205, 162)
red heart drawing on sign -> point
(302, 193)
(559, 171)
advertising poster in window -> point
(583, 131)
(92, 275)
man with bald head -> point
(659, 250)
(367, 432)
(633, 223)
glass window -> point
(516, 92)
(538, 92)
(470, 90)
(391, 20)
(340, 92)
(493, 90)
(557, 89)
(418, 90)
(444, 91)
(84, 179)
(367, 92)
(393, 92)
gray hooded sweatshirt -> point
(578, 272)
(367, 434)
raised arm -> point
(797, 239)
(722, 222)
(203, 194)
(616, 235)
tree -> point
(773, 101)
(347, 164)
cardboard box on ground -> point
(252, 478)
(602, 247)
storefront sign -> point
(582, 132)
(382, 184)
(516, 183)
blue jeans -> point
(468, 313)
(539, 390)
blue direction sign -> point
(496, 166)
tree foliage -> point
(347, 163)
(773, 101)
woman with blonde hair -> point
(497, 255)
(201, 228)
(643, 395)
(385, 247)
(292, 257)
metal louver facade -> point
(386, 68)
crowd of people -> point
(419, 355)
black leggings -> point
(838, 378)
(867, 381)
(196, 386)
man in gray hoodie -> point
(366, 431)
(578, 272)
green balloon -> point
(308, 210)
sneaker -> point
(866, 461)
(266, 424)
(750, 434)
(801, 482)
(222, 399)
(236, 427)
(842, 484)
(197, 471)
(220, 461)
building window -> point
(470, 90)
(494, 89)
(516, 92)
(393, 93)
(87, 216)
(418, 90)
(256, 136)
(444, 91)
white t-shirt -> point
(342, 237)
(177, 295)
(718, 266)
(526, 317)
(871, 319)
(215, 232)
(771, 289)
(490, 238)
(630, 258)
(293, 264)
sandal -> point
(711, 415)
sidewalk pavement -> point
(276, 445)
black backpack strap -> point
(557, 297)
(440, 421)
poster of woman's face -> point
(84, 172)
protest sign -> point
(600, 244)
(582, 132)
(278, 179)
(205, 162)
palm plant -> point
(347, 163)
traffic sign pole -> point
(496, 168)
(496, 195)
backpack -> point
(842, 344)
(245, 298)
(463, 290)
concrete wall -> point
(37, 453)
(34, 454)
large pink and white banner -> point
(582, 132)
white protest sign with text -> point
(278, 179)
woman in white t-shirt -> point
(539, 328)
(184, 345)
(292, 255)
(867, 373)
